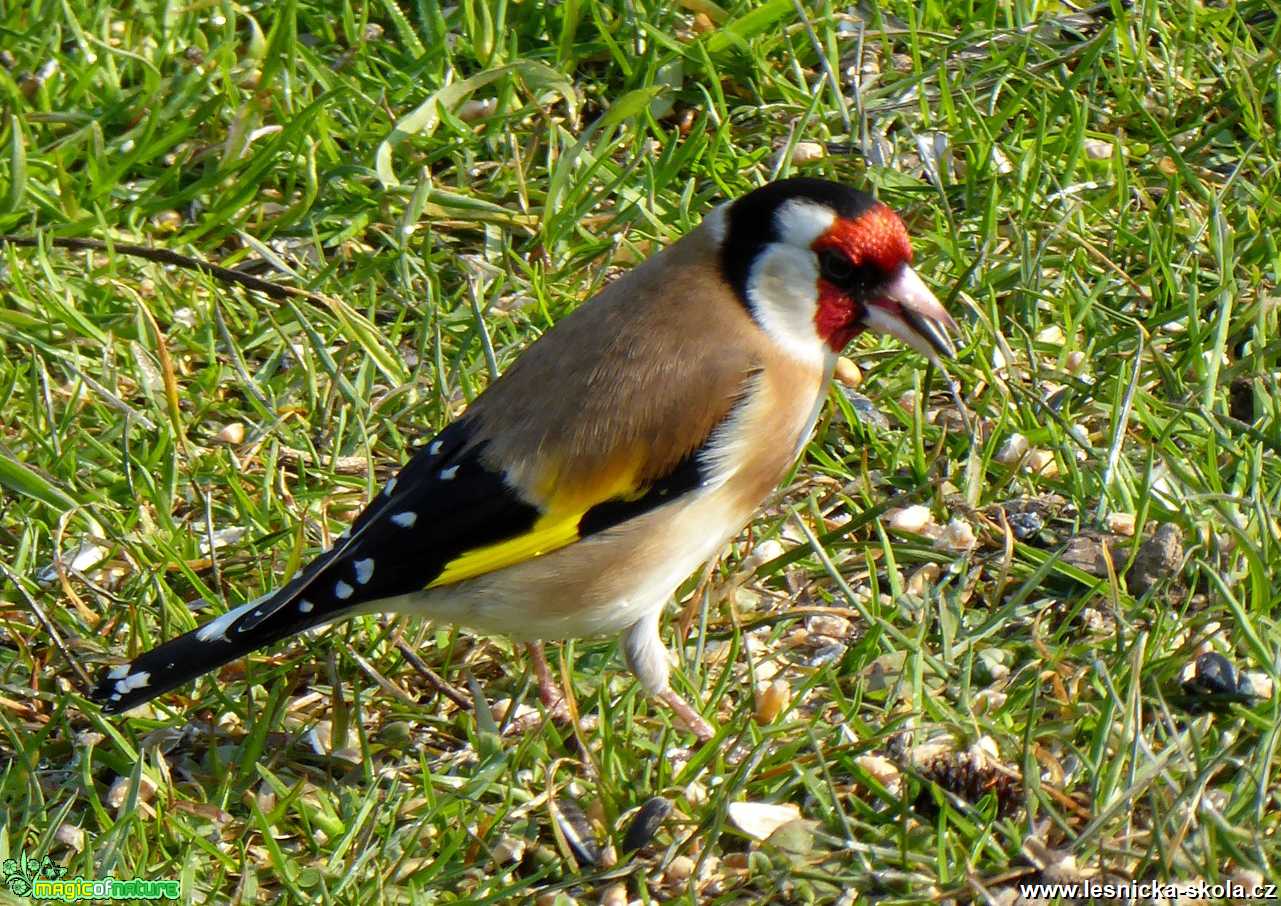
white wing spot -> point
(305, 606)
(119, 672)
(434, 448)
(405, 519)
(391, 486)
(448, 474)
(364, 569)
(342, 590)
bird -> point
(619, 453)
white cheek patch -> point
(783, 291)
(783, 284)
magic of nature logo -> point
(45, 879)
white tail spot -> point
(405, 519)
(305, 606)
(448, 474)
(133, 681)
(342, 590)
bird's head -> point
(817, 263)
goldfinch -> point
(619, 453)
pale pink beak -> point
(906, 309)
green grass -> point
(1103, 217)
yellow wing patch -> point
(556, 528)
(547, 535)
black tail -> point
(257, 624)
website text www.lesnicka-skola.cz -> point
(1144, 891)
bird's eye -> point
(836, 267)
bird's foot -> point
(549, 692)
(692, 720)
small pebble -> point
(1121, 524)
(771, 700)
(883, 770)
(119, 791)
(1012, 450)
(829, 625)
(1260, 683)
(1041, 462)
(679, 870)
(476, 109)
(762, 553)
(921, 581)
(70, 835)
(233, 434)
(1158, 558)
(168, 221)
(848, 373)
(808, 152)
(508, 849)
(915, 520)
(1212, 683)
(957, 536)
(1052, 335)
(1025, 524)
(1212, 674)
(760, 819)
(614, 895)
(1097, 149)
(987, 701)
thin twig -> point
(437, 682)
(383, 682)
(81, 674)
(166, 256)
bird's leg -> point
(549, 692)
(647, 658)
